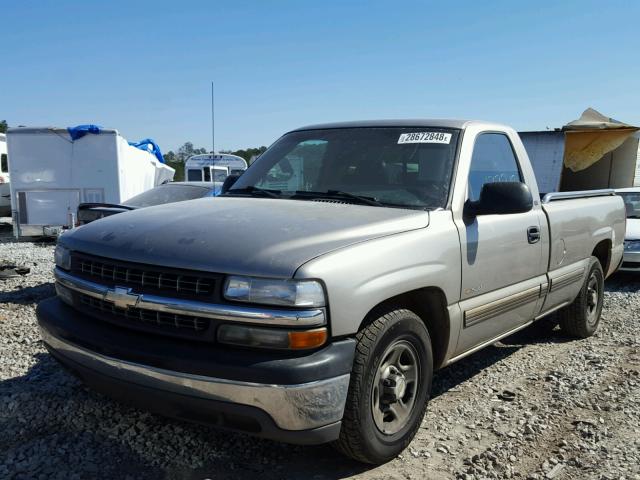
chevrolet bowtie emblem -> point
(122, 297)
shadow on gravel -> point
(28, 295)
(51, 425)
(623, 282)
(44, 435)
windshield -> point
(403, 167)
(631, 204)
(167, 194)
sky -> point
(146, 67)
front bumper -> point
(296, 399)
(630, 262)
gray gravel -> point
(528, 407)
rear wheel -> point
(582, 317)
(389, 388)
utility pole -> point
(213, 125)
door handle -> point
(533, 234)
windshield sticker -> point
(425, 137)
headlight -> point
(63, 257)
(292, 293)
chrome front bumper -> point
(292, 407)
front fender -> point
(361, 276)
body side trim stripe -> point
(503, 305)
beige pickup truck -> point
(313, 300)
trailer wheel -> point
(389, 387)
(581, 318)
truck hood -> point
(633, 229)
(247, 236)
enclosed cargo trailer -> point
(5, 195)
(53, 173)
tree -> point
(187, 150)
(248, 153)
(3, 126)
(170, 157)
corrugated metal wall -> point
(546, 151)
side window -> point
(194, 175)
(4, 163)
(492, 161)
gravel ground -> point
(571, 411)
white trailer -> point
(5, 194)
(213, 168)
(52, 173)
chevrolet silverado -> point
(313, 300)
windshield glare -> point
(631, 204)
(406, 167)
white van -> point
(5, 194)
(213, 168)
(52, 173)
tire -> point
(581, 318)
(389, 387)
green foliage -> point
(170, 157)
(187, 150)
(248, 154)
(3, 126)
(178, 167)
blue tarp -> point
(145, 144)
(81, 130)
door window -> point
(4, 163)
(492, 161)
(194, 175)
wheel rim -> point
(395, 387)
(593, 298)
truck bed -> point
(601, 218)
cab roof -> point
(421, 122)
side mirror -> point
(229, 181)
(501, 198)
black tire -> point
(360, 437)
(581, 318)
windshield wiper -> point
(633, 216)
(252, 190)
(343, 195)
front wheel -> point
(389, 387)
(581, 318)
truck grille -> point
(145, 278)
(162, 319)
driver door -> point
(502, 268)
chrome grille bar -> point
(230, 313)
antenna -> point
(213, 125)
